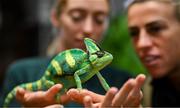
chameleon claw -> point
(58, 98)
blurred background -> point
(25, 31)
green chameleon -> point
(70, 68)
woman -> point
(154, 27)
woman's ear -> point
(54, 18)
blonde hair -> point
(174, 3)
(58, 6)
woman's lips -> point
(151, 60)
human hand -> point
(130, 95)
(40, 98)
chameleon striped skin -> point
(70, 68)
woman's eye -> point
(134, 32)
(154, 29)
(100, 19)
(76, 16)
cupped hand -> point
(130, 95)
(40, 98)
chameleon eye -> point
(100, 54)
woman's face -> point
(156, 33)
(83, 18)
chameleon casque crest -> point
(70, 68)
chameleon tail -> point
(9, 97)
(37, 85)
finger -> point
(39, 98)
(26, 97)
(135, 96)
(49, 96)
(73, 92)
(109, 97)
(75, 95)
(133, 100)
(54, 106)
(95, 97)
(140, 79)
(53, 91)
(20, 94)
(123, 93)
(64, 99)
(33, 98)
(88, 102)
(78, 96)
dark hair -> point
(174, 3)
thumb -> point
(53, 90)
(20, 94)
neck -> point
(56, 46)
(61, 46)
(175, 78)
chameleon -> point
(70, 68)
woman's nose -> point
(144, 41)
(88, 26)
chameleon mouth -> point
(107, 59)
(108, 55)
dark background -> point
(20, 31)
(18, 37)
